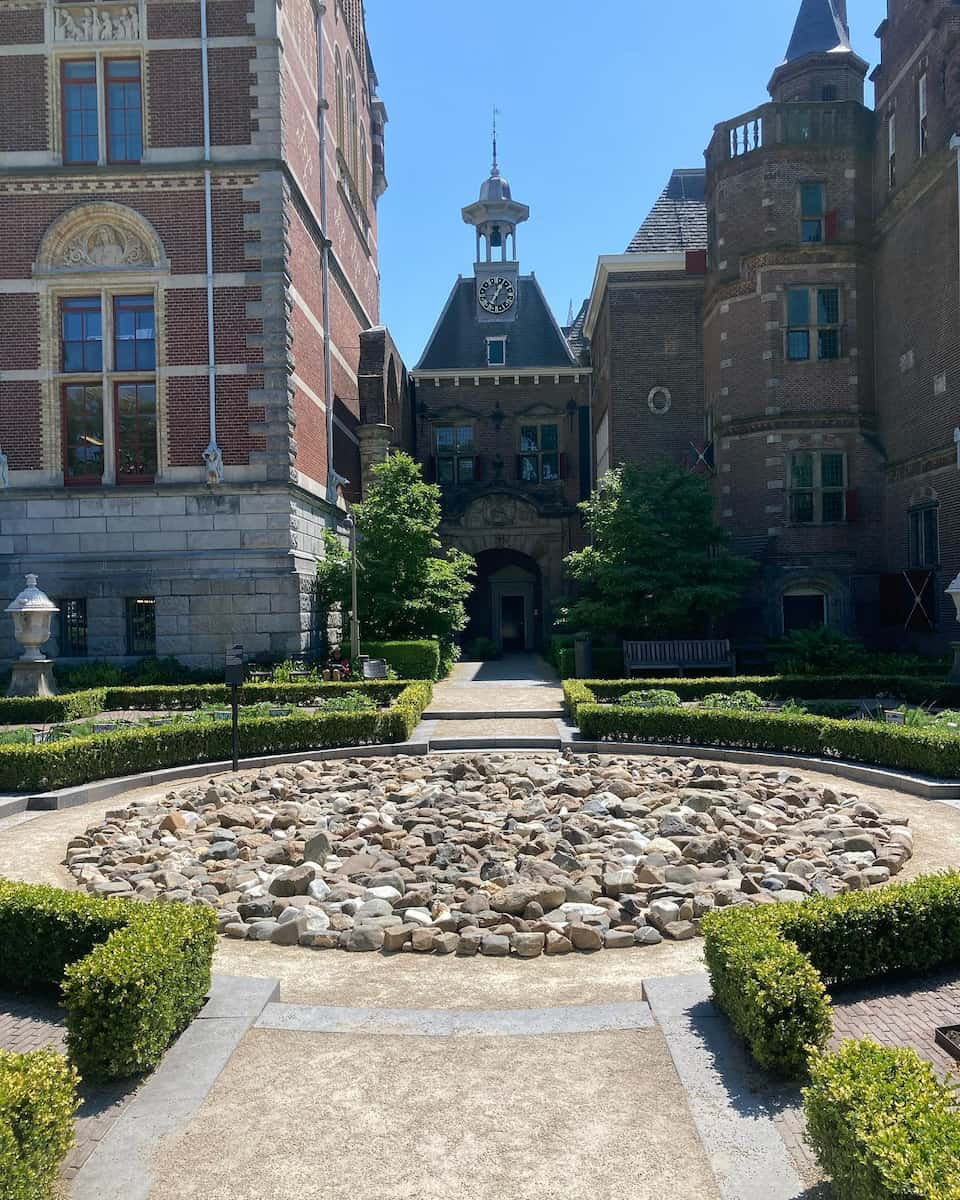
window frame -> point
(133, 638)
(68, 646)
(65, 63)
(126, 479)
(918, 552)
(539, 454)
(108, 61)
(814, 328)
(818, 489)
(820, 218)
(459, 471)
(134, 303)
(502, 343)
(84, 307)
(89, 480)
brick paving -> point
(898, 1012)
(33, 1023)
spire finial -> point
(496, 166)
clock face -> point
(496, 294)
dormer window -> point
(496, 352)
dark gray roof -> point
(820, 28)
(576, 339)
(678, 220)
(459, 340)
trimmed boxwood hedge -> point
(410, 660)
(883, 1125)
(912, 689)
(132, 975)
(127, 751)
(38, 1100)
(927, 751)
(770, 964)
(51, 710)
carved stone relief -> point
(499, 512)
(105, 246)
(95, 23)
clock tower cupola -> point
(495, 216)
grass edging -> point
(132, 751)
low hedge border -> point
(410, 660)
(882, 1124)
(130, 751)
(132, 975)
(38, 1100)
(52, 710)
(770, 965)
(910, 688)
(925, 751)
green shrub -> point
(350, 703)
(817, 651)
(651, 698)
(131, 975)
(410, 660)
(482, 649)
(129, 751)
(882, 1125)
(733, 701)
(48, 710)
(38, 1100)
(771, 992)
(133, 994)
(910, 689)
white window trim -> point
(498, 341)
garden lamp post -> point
(351, 525)
(32, 612)
(953, 591)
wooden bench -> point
(711, 654)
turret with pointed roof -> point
(820, 63)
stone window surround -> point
(453, 456)
(99, 52)
(813, 326)
(62, 277)
(501, 342)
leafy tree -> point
(408, 586)
(658, 564)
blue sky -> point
(598, 102)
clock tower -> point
(495, 216)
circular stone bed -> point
(499, 854)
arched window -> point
(362, 180)
(351, 157)
(341, 106)
(804, 607)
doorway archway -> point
(507, 602)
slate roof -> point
(459, 340)
(678, 220)
(820, 29)
(576, 340)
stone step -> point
(496, 743)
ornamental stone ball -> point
(32, 612)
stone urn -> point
(32, 612)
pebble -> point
(504, 854)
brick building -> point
(189, 300)
(501, 421)
(828, 340)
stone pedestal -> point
(32, 678)
(954, 675)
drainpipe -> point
(322, 107)
(955, 146)
(212, 456)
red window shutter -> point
(696, 262)
(853, 505)
(563, 466)
(831, 225)
(478, 469)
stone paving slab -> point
(732, 1102)
(514, 1022)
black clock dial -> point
(496, 294)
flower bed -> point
(770, 966)
(132, 976)
(102, 756)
